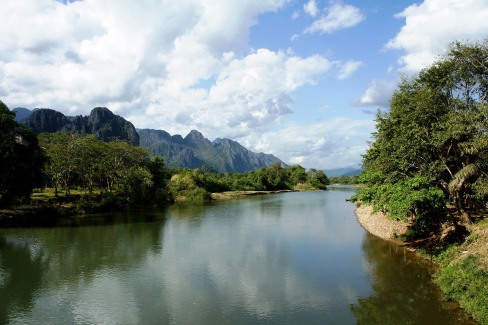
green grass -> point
(462, 275)
(464, 281)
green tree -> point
(436, 129)
(297, 175)
(317, 179)
(119, 159)
(21, 160)
(70, 156)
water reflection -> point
(403, 293)
(281, 259)
(39, 266)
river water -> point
(290, 258)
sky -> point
(302, 80)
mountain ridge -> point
(195, 151)
(192, 151)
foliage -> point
(344, 180)
(435, 132)
(464, 281)
(185, 182)
(21, 160)
(413, 199)
(463, 272)
(83, 161)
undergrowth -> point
(462, 276)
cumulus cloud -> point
(431, 25)
(333, 143)
(335, 17)
(79, 54)
(167, 65)
(378, 93)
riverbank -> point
(378, 225)
(462, 272)
(46, 211)
(234, 194)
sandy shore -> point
(378, 225)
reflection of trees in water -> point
(43, 259)
(21, 277)
(404, 293)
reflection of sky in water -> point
(289, 258)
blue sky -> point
(298, 79)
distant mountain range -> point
(347, 171)
(193, 151)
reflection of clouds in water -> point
(249, 259)
(240, 261)
(258, 277)
(106, 301)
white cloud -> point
(337, 16)
(311, 8)
(87, 53)
(348, 69)
(378, 93)
(167, 65)
(249, 93)
(433, 24)
(329, 144)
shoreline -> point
(378, 225)
(236, 194)
(453, 269)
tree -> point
(317, 179)
(71, 156)
(436, 130)
(21, 160)
(119, 159)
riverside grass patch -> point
(465, 281)
(463, 272)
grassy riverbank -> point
(462, 269)
(45, 209)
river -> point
(290, 258)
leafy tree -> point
(435, 131)
(21, 160)
(296, 175)
(71, 156)
(317, 179)
(119, 159)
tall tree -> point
(435, 132)
(21, 160)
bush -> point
(464, 281)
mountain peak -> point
(194, 134)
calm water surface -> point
(292, 258)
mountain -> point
(101, 121)
(194, 151)
(21, 113)
(346, 171)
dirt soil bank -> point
(377, 224)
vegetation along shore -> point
(53, 175)
(426, 172)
